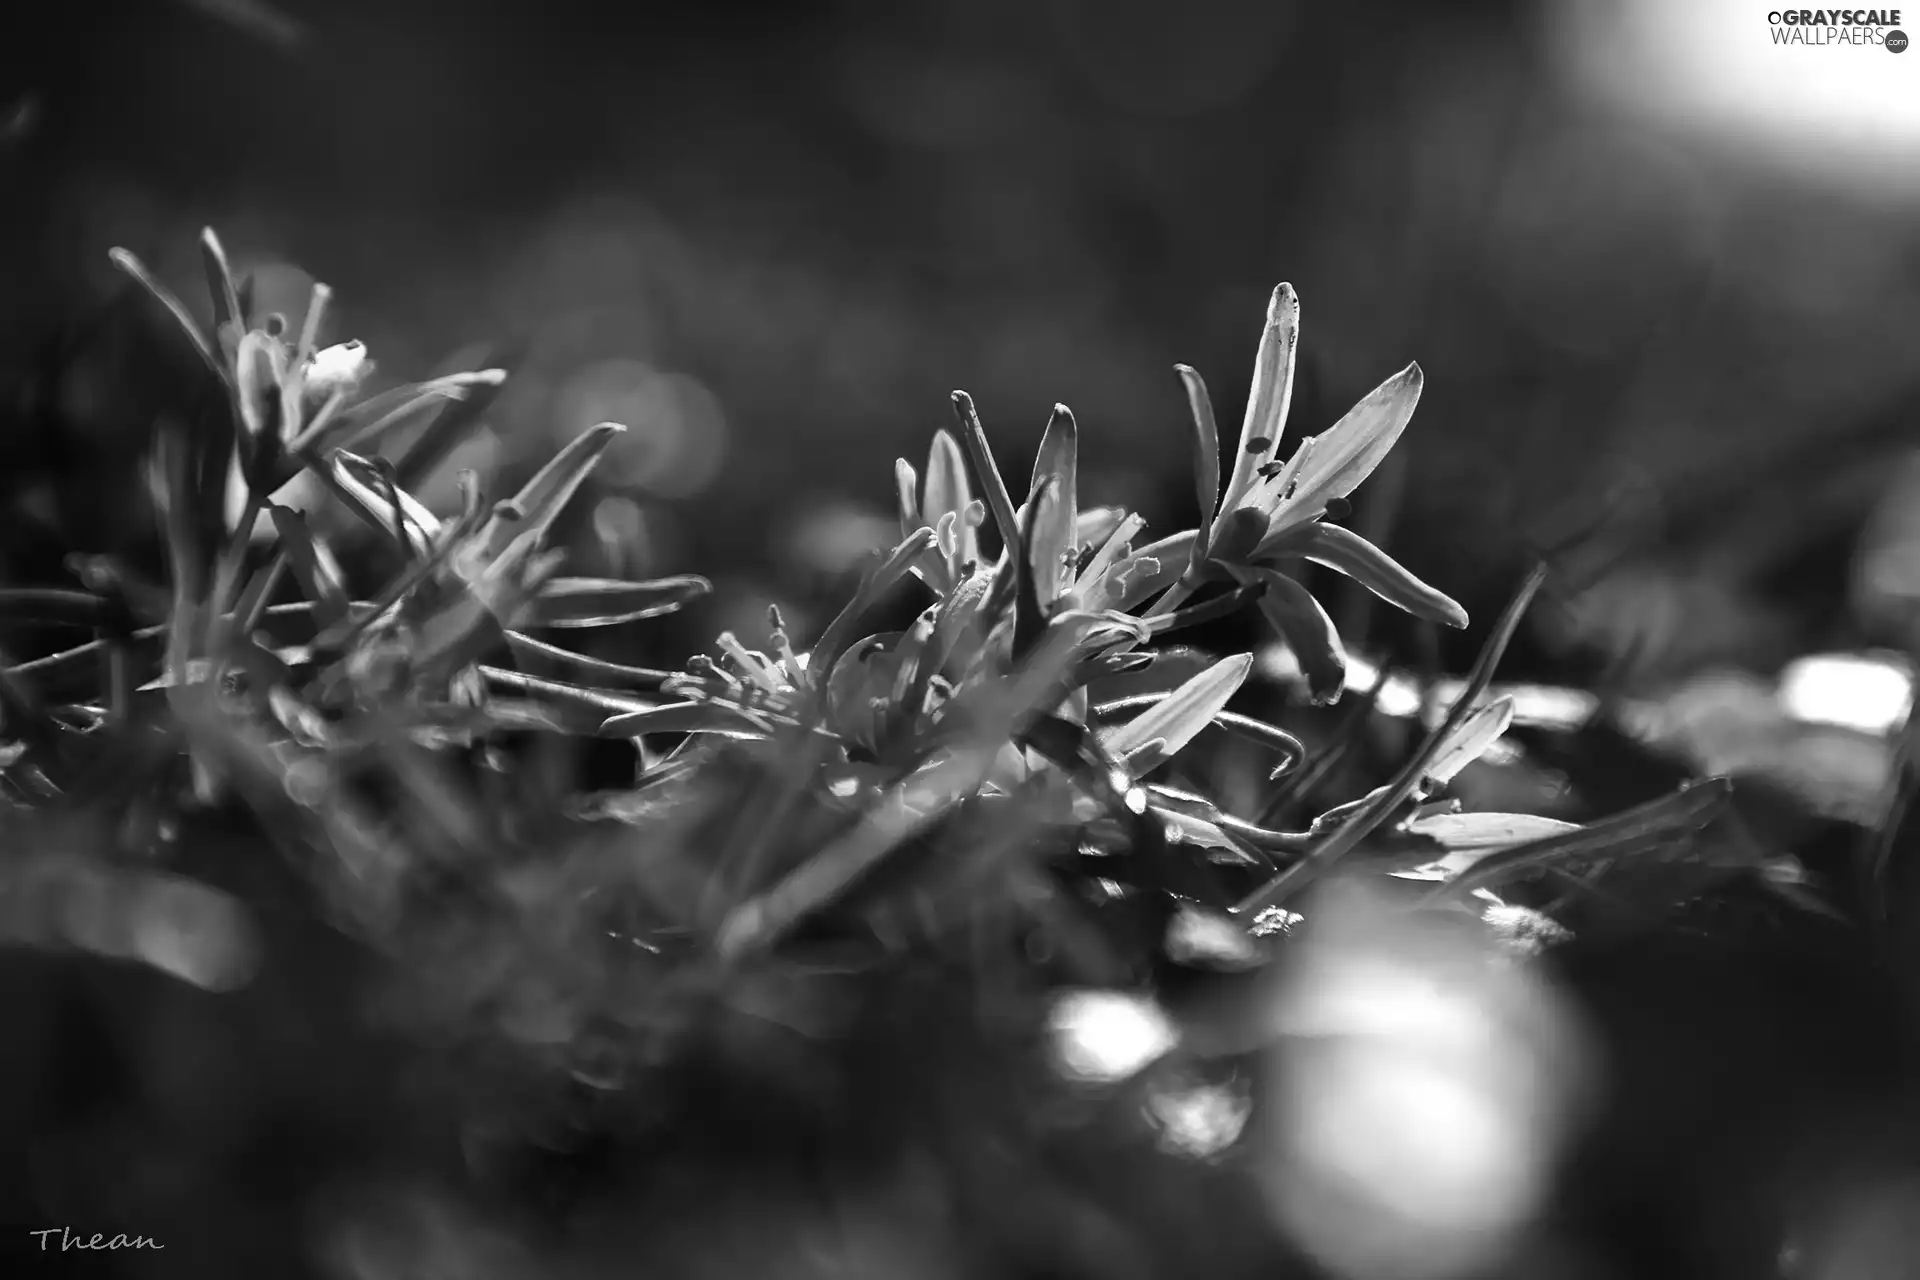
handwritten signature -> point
(68, 1240)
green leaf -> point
(1307, 631)
(1349, 553)
(1270, 395)
(1206, 459)
(605, 602)
(1182, 714)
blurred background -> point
(1662, 273)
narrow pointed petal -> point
(361, 485)
(906, 485)
(459, 416)
(993, 488)
(948, 488)
(539, 503)
(1487, 831)
(1685, 811)
(376, 418)
(1149, 571)
(1469, 741)
(1349, 553)
(1270, 395)
(227, 315)
(1206, 457)
(1346, 453)
(605, 602)
(1182, 714)
(914, 680)
(1114, 547)
(1307, 630)
(260, 366)
(876, 583)
(1037, 588)
(181, 316)
(1052, 524)
(685, 717)
(315, 570)
(1095, 525)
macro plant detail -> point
(1012, 764)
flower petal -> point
(1470, 740)
(1206, 457)
(994, 489)
(360, 483)
(1270, 395)
(948, 490)
(539, 503)
(1051, 524)
(906, 484)
(874, 584)
(1182, 714)
(1368, 565)
(605, 602)
(1094, 525)
(685, 717)
(1150, 570)
(1307, 631)
(1346, 453)
(316, 570)
(1482, 831)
